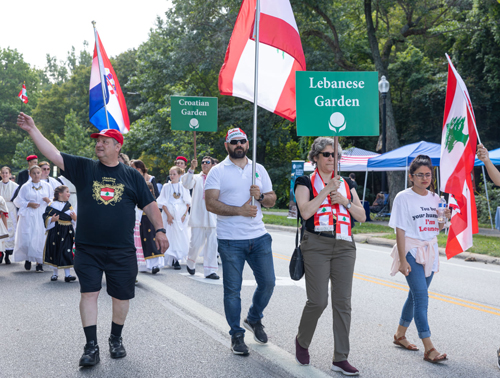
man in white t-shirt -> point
(241, 235)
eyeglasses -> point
(206, 162)
(327, 154)
(422, 175)
(234, 142)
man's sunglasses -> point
(234, 142)
(206, 162)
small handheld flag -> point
(23, 95)
(107, 107)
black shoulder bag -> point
(297, 261)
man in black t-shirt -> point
(108, 192)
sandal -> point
(409, 346)
(439, 358)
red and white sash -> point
(323, 219)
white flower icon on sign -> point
(194, 124)
(337, 122)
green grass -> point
(364, 228)
(484, 245)
(278, 220)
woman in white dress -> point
(175, 201)
(32, 200)
(7, 190)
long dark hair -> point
(419, 161)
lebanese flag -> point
(115, 102)
(23, 95)
(107, 193)
(458, 151)
(280, 56)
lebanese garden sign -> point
(337, 103)
(194, 113)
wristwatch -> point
(348, 206)
(261, 198)
(161, 230)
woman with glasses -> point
(414, 218)
(327, 206)
(45, 167)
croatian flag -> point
(115, 102)
(23, 95)
(458, 150)
(280, 56)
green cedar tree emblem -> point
(455, 134)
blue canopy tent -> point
(400, 158)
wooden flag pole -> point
(335, 155)
(194, 138)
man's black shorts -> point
(119, 264)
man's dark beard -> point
(238, 153)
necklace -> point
(39, 188)
(177, 194)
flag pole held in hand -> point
(102, 72)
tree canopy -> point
(405, 40)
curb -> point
(374, 240)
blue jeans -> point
(258, 253)
(418, 299)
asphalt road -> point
(176, 325)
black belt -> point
(322, 233)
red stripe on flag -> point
(278, 33)
(286, 104)
(242, 30)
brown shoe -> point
(397, 341)
(439, 358)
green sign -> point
(337, 103)
(194, 113)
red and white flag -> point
(280, 56)
(458, 150)
(23, 95)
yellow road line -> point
(398, 286)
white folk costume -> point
(7, 191)
(52, 182)
(58, 251)
(203, 225)
(30, 233)
(175, 197)
(4, 232)
(326, 214)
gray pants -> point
(327, 259)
